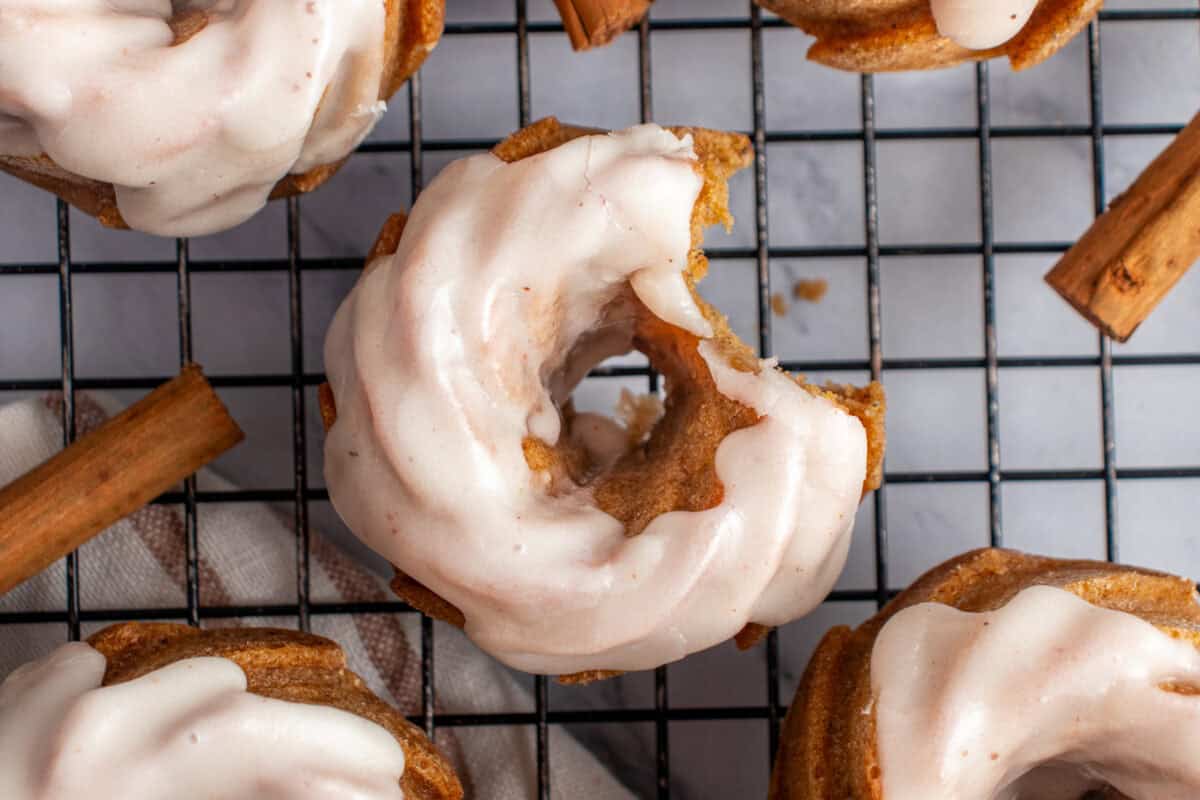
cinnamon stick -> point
(591, 23)
(109, 473)
(1141, 246)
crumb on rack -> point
(779, 306)
(810, 289)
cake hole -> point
(1061, 781)
(651, 462)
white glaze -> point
(440, 360)
(981, 24)
(967, 704)
(188, 731)
(194, 136)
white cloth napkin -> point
(247, 552)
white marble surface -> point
(125, 324)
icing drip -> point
(193, 136)
(981, 24)
(188, 731)
(1042, 699)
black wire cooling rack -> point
(771, 711)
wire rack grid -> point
(868, 135)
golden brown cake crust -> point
(827, 747)
(411, 29)
(673, 470)
(895, 35)
(285, 665)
